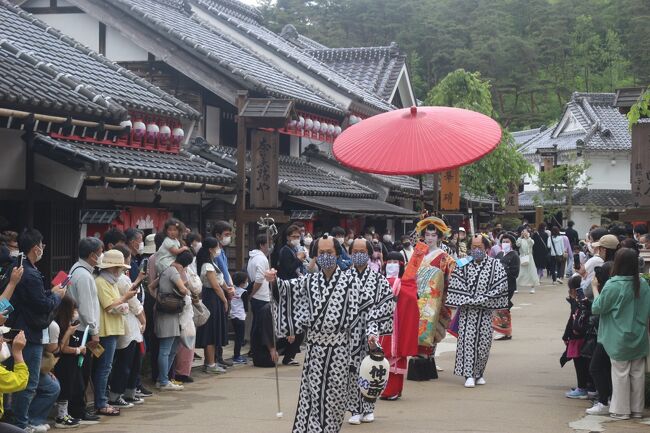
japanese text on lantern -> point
(450, 190)
(264, 169)
(640, 167)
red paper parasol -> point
(417, 140)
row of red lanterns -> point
(152, 133)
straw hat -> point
(608, 241)
(113, 259)
(150, 244)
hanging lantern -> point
(373, 374)
(139, 130)
(337, 131)
(324, 127)
(152, 132)
(165, 134)
(126, 123)
(177, 136)
(316, 126)
(292, 124)
(301, 123)
(309, 124)
(330, 129)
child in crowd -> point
(238, 314)
(375, 263)
(67, 370)
(574, 338)
(171, 246)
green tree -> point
(558, 186)
(493, 174)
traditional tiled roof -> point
(28, 83)
(296, 176)
(133, 163)
(522, 137)
(37, 41)
(377, 69)
(605, 198)
(346, 205)
(312, 65)
(290, 33)
(601, 127)
(174, 19)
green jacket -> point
(623, 329)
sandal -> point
(108, 411)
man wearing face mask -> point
(429, 270)
(135, 243)
(344, 261)
(223, 232)
(509, 258)
(291, 257)
(407, 248)
(477, 289)
(376, 308)
(325, 306)
(388, 241)
(33, 304)
(83, 290)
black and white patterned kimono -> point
(376, 309)
(478, 289)
(325, 311)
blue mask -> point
(326, 261)
(360, 259)
(478, 254)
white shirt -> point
(257, 265)
(237, 310)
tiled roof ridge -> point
(586, 106)
(597, 98)
(70, 81)
(242, 11)
(391, 50)
(525, 132)
(290, 33)
(190, 112)
(201, 49)
(351, 87)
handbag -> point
(169, 303)
(524, 260)
(421, 369)
(201, 314)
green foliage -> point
(557, 186)
(493, 174)
(535, 53)
(640, 109)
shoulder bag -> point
(169, 303)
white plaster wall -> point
(121, 49)
(81, 27)
(12, 163)
(294, 146)
(584, 220)
(604, 175)
(212, 124)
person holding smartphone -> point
(12, 381)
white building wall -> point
(583, 220)
(12, 163)
(121, 49)
(604, 175)
(81, 27)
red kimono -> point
(403, 342)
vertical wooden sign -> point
(450, 190)
(640, 166)
(264, 169)
(512, 199)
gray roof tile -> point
(606, 198)
(93, 70)
(128, 162)
(290, 33)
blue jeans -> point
(166, 355)
(102, 369)
(32, 405)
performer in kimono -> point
(429, 270)
(478, 288)
(403, 342)
(375, 318)
(325, 306)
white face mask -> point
(295, 242)
(388, 238)
(350, 241)
(506, 247)
(100, 259)
(39, 255)
(226, 241)
(5, 353)
(308, 241)
(392, 270)
(197, 247)
(14, 253)
(341, 240)
(218, 252)
(141, 248)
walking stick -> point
(268, 225)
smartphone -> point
(20, 258)
(5, 305)
(144, 265)
(65, 283)
(11, 334)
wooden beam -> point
(241, 180)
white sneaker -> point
(369, 417)
(355, 420)
(480, 381)
(532, 290)
(598, 409)
(169, 386)
(470, 383)
(213, 369)
(43, 428)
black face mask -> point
(406, 244)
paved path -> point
(524, 392)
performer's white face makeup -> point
(431, 238)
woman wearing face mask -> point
(194, 241)
(213, 335)
(291, 255)
(403, 342)
(407, 249)
(476, 289)
(509, 258)
(528, 268)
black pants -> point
(77, 406)
(582, 373)
(601, 373)
(256, 306)
(126, 368)
(552, 267)
(290, 350)
(239, 326)
(151, 341)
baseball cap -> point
(461, 229)
(608, 241)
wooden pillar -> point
(436, 193)
(539, 215)
(241, 182)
